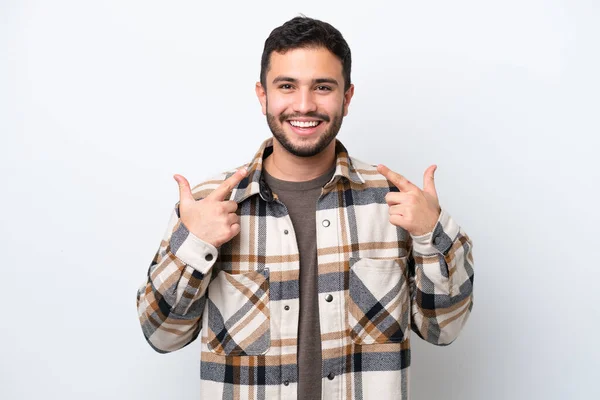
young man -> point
(305, 270)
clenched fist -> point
(211, 219)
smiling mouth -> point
(304, 124)
(304, 128)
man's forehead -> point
(310, 61)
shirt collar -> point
(254, 183)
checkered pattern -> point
(376, 282)
(238, 306)
(377, 300)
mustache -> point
(323, 117)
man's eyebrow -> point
(327, 80)
(284, 79)
(294, 80)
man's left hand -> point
(413, 209)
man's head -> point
(305, 86)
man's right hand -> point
(211, 219)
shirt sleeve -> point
(441, 281)
(171, 301)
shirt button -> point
(208, 257)
(286, 308)
(328, 298)
(331, 376)
(286, 382)
(326, 223)
(436, 240)
(286, 232)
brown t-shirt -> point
(300, 199)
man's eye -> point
(323, 88)
(285, 86)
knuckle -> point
(223, 187)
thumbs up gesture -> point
(413, 209)
(211, 219)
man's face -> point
(304, 99)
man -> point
(304, 271)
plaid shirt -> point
(376, 283)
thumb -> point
(185, 193)
(429, 181)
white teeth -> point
(304, 124)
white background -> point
(102, 102)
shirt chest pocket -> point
(238, 313)
(378, 304)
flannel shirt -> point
(376, 282)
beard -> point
(309, 150)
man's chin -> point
(304, 146)
(303, 152)
(303, 141)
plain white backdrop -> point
(102, 102)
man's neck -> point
(285, 166)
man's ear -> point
(347, 98)
(261, 93)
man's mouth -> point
(304, 124)
(304, 128)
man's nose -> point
(305, 102)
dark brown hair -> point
(304, 32)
